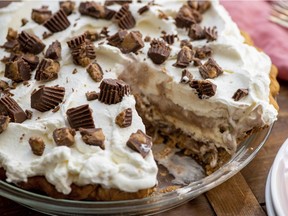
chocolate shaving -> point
(80, 117)
(204, 88)
(58, 22)
(184, 57)
(158, 51)
(186, 76)
(140, 143)
(37, 145)
(199, 5)
(93, 136)
(46, 35)
(170, 38)
(92, 9)
(92, 95)
(186, 17)
(54, 51)
(95, 71)
(211, 34)
(30, 43)
(203, 52)
(67, 6)
(47, 70)
(31, 60)
(9, 107)
(125, 18)
(124, 119)
(210, 69)
(240, 93)
(4, 122)
(24, 21)
(147, 39)
(17, 70)
(29, 114)
(121, 2)
(82, 55)
(143, 9)
(41, 15)
(112, 91)
(77, 41)
(47, 98)
(64, 136)
(196, 32)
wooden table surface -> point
(243, 194)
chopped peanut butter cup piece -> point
(37, 145)
(211, 34)
(3, 86)
(240, 93)
(58, 22)
(203, 52)
(30, 43)
(93, 36)
(140, 143)
(186, 17)
(121, 2)
(84, 54)
(158, 51)
(93, 136)
(186, 43)
(117, 38)
(132, 42)
(124, 119)
(47, 70)
(92, 9)
(196, 32)
(184, 57)
(143, 9)
(112, 91)
(32, 60)
(9, 107)
(76, 41)
(41, 15)
(169, 38)
(54, 51)
(11, 34)
(186, 76)
(67, 6)
(125, 18)
(210, 69)
(204, 88)
(80, 117)
(18, 70)
(92, 95)
(199, 5)
(4, 121)
(95, 71)
(47, 98)
(64, 136)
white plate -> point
(268, 197)
(279, 181)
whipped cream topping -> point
(118, 166)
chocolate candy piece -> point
(64, 136)
(47, 70)
(80, 117)
(93, 136)
(159, 51)
(125, 18)
(132, 42)
(124, 119)
(18, 70)
(82, 55)
(95, 71)
(143, 9)
(37, 145)
(92, 95)
(203, 52)
(9, 107)
(240, 93)
(196, 32)
(67, 6)
(186, 17)
(92, 9)
(184, 57)
(32, 60)
(204, 88)
(58, 22)
(140, 142)
(121, 2)
(210, 69)
(186, 76)
(117, 38)
(200, 6)
(41, 15)
(169, 38)
(76, 41)
(47, 98)
(4, 121)
(112, 91)
(186, 43)
(211, 33)
(3, 86)
(11, 34)
(54, 51)
(30, 43)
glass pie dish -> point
(247, 150)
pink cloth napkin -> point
(253, 18)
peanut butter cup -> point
(140, 143)
(93, 136)
(64, 136)
(30, 43)
(47, 70)
(125, 18)
(80, 117)
(58, 22)
(9, 107)
(124, 118)
(159, 51)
